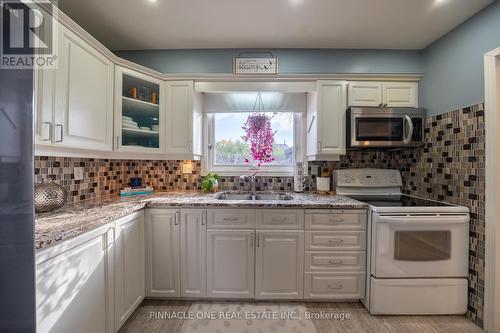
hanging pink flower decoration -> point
(259, 134)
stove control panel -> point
(368, 178)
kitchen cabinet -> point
(83, 116)
(162, 253)
(326, 109)
(279, 265)
(129, 266)
(139, 112)
(184, 120)
(74, 103)
(383, 94)
(193, 250)
(230, 263)
(75, 286)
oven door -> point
(420, 245)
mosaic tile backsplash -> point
(449, 168)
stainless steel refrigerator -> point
(17, 256)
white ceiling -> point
(187, 24)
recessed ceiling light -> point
(296, 2)
(152, 1)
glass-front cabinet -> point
(139, 112)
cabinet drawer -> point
(334, 285)
(231, 218)
(338, 240)
(279, 219)
(338, 220)
(340, 261)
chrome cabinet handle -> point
(177, 217)
(258, 241)
(381, 104)
(335, 262)
(62, 132)
(252, 241)
(203, 217)
(336, 241)
(276, 219)
(339, 286)
(336, 220)
(385, 105)
(50, 130)
(230, 219)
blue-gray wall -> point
(453, 65)
(291, 61)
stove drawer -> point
(336, 261)
(334, 285)
(338, 240)
(336, 219)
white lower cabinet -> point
(279, 268)
(162, 253)
(230, 263)
(193, 252)
(74, 284)
(129, 266)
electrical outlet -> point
(187, 167)
(78, 173)
(314, 170)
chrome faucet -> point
(253, 179)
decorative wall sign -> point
(255, 65)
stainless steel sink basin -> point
(273, 196)
(248, 196)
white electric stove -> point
(417, 260)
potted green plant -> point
(210, 183)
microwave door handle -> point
(409, 134)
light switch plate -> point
(187, 167)
(78, 173)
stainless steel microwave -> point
(373, 127)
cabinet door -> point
(400, 94)
(74, 286)
(193, 253)
(84, 96)
(129, 266)
(139, 112)
(44, 106)
(365, 94)
(230, 263)
(162, 253)
(179, 134)
(331, 117)
(279, 271)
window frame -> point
(266, 170)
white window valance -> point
(245, 101)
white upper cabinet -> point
(184, 117)
(83, 116)
(365, 94)
(400, 94)
(383, 94)
(139, 112)
(326, 111)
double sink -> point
(251, 197)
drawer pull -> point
(278, 219)
(338, 286)
(336, 220)
(336, 262)
(230, 219)
(336, 241)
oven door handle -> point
(409, 134)
(443, 220)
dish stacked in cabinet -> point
(335, 254)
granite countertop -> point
(74, 219)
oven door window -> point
(422, 245)
(379, 129)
